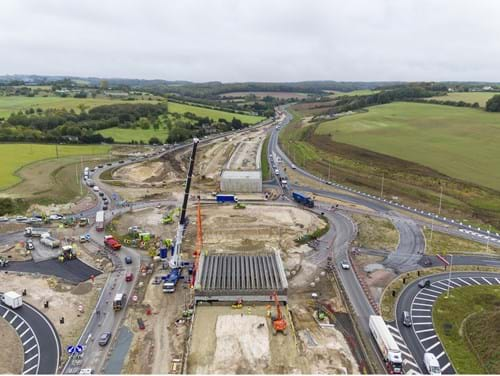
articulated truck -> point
(303, 199)
(387, 345)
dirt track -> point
(11, 355)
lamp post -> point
(449, 277)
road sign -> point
(78, 349)
(443, 260)
(70, 349)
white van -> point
(431, 364)
(95, 188)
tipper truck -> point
(220, 198)
(386, 344)
(112, 243)
(303, 199)
(12, 299)
(99, 221)
(49, 241)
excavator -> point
(279, 323)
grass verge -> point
(264, 163)
(375, 233)
(304, 239)
(443, 244)
(471, 340)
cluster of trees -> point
(399, 93)
(12, 206)
(448, 103)
(182, 130)
(493, 104)
(55, 125)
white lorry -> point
(49, 241)
(35, 232)
(12, 299)
(432, 364)
(386, 344)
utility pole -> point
(382, 187)
(329, 168)
(488, 239)
(439, 213)
(440, 200)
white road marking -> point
(7, 312)
(24, 333)
(474, 280)
(21, 324)
(420, 310)
(31, 369)
(30, 359)
(440, 355)
(402, 344)
(412, 363)
(440, 285)
(456, 284)
(423, 304)
(13, 319)
(397, 336)
(421, 317)
(28, 340)
(406, 353)
(429, 300)
(446, 367)
(433, 346)
(433, 291)
(498, 280)
(437, 287)
(31, 349)
(488, 282)
(424, 330)
(429, 295)
(413, 372)
(461, 280)
(423, 323)
(428, 338)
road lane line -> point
(461, 280)
(498, 280)
(421, 317)
(28, 341)
(13, 319)
(488, 282)
(433, 346)
(420, 310)
(440, 355)
(7, 312)
(428, 338)
(429, 300)
(446, 367)
(29, 370)
(423, 323)
(441, 285)
(410, 362)
(429, 295)
(21, 324)
(31, 349)
(406, 353)
(476, 282)
(402, 344)
(423, 304)
(437, 287)
(424, 330)
(30, 359)
(24, 333)
(456, 284)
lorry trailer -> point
(99, 220)
(119, 302)
(220, 198)
(386, 344)
(112, 243)
(35, 232)
(303, 199)
(12, 299)
(49, 241)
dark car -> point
(424, 283)
(101, 194)
(406, 318)
(105, 207)
(121, 161)
(100, 166)
(128, 260)
(109, 164)
(104, 338)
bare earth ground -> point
(149, 219)
(376, 280)
(64, 300)
(11, 355)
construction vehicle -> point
(67, 253)
(303, 199)
(49, 241)
(3, 262)
(169, 218)
(386, 344)
(83, 222)
(171, 279)
(238, 304)
(99, 221)
(119, 302)
(279, 323)
(112, 243)
(35, 232)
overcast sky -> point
(253, 40)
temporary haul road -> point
(406, 257)
(335, 243)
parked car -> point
(345, 265)
(406, 319)
(128, 260)
(424, 283)
(20, 218)
(104, 338)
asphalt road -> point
(38, 337)
(421, 337)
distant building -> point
(487, 88)
(116, 94)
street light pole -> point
(449, 277)
(488, 239)
(382, 187)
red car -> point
(129, 277)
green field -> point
(122, 135)
(460, 142)
(471, 342)
(212, 114)
(16, 103)
(479, 97)
(15, 156)
(355, 92)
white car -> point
(55, 217)
(4, 219)
(345, 265)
